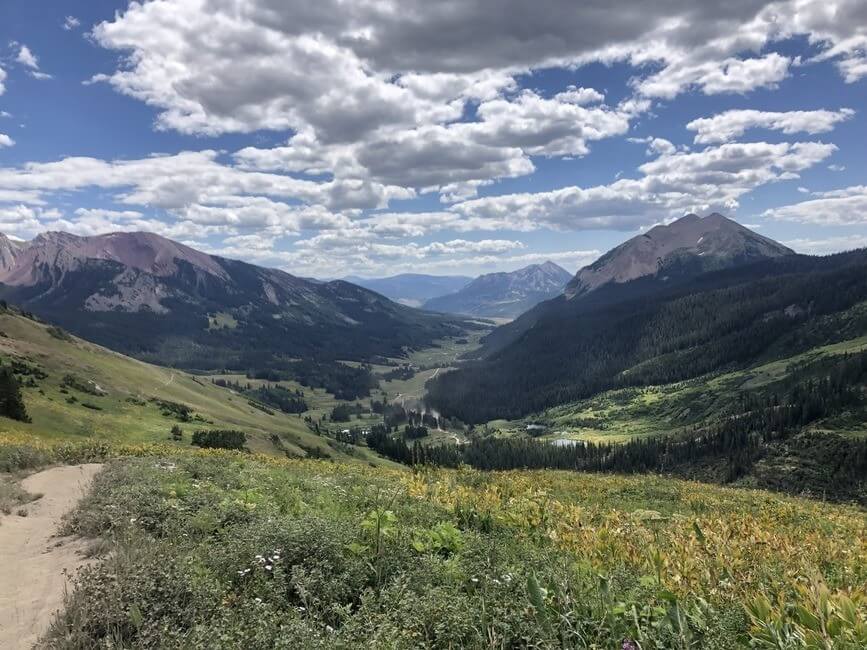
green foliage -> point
(820, 621)
(220, 439)
(217, 553)
(87, 386)
(648, 332)
(169, 409)
(11, 402)
(445, 538)
(59, 333)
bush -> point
(220, 439)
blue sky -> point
(457, 137)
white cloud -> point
(27, 58)
(457, 158)
(843, 207)
(730, 125)
(672, 184)
(345, 72)
(70, 23)
(655, 145)
(827, 245)
(2, 86)
(837, 168)
(714, 77)
(6, 141)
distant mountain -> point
(760, 302)
(412, 289)
(687, 247)
(504, 295)
(161, 301)
(658, 260)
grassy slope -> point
(670, 563)
(127, 379)
(620, 415)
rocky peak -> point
(712, 242)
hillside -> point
(624, 336)
(412, 289)
(215, 549)
(504, 295)
(160, 301)
(74, 389)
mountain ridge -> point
(158, 300)
(687, 246)
(504, 294)
(412, 289)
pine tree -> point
(11, 401)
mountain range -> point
(626, 322)
(504, 295)
(412, 289)
(161, 301)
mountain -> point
(161, 301)
(412, 289)
(76, 389)
(504, 295)
(658, 260)
(687, 247)
(651, 331)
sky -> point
(375, 137)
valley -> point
(452, 325)
(644, 431)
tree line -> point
(810, 392)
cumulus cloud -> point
(847, 206)
(457, 158)
(714, 77)
(672, 184)
(6, 141)
(2, 79)
(29, 60)
(70, 23)
(730, 125)
(384, 102)
(347, 71)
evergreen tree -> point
(11, 401)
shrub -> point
(220, 439)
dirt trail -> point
(34, 565)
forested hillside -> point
(162, 302)
(647, 332)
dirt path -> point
(35, 565)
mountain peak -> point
(63, 251)
(505, 294)
(689, 245)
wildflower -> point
(259, 600)
(628, 645)
(268, 567)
